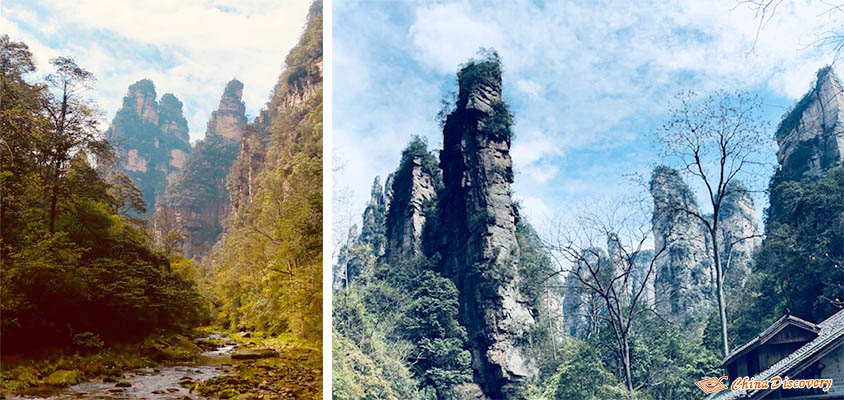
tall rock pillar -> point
(811, 136)
(478, 221)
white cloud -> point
(448, 34)
(532, 146)
(530, 87)
(536, 210)
(587, 80)
(190, 48)
(540, 173)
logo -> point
(712, 385)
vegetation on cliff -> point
(384, 349)
(267, 271)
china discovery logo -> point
(712, 385)
(715, 384)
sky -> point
(588, 81)
(190, 48)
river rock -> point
(253, 354)
(63, 377)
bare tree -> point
(765, 10)
(602, 251)
(716, 141)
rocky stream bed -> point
(225, 369)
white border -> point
(327, 168)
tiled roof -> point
(767, 333)
(830, 330)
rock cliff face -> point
(197, 201)
(372, 233)
(683, 280)
(811, 136)
(230, 119)
(413, 196)
(242, 181)
(683, 287)
(581, 308)
(639, 274)
(739, 226)
(151, 139)
(478, 220)
(361, 251)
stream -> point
(172, 381)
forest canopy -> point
(73, 261)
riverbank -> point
(294, 371)
(207, 364)
(51, 370)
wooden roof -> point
(830, 337)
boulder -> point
(63, 377)
(253, 354)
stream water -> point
(162, 382)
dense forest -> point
(447, 292)
(267, 271)
(76, 264)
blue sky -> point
(190, 48)
(588, 82)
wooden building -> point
(790, 347)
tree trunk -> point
(54, 200)
(719, 287)
(627, 373)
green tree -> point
(580, 376)
(430, 321)
(73, 125)
(70, 262)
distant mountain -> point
(151, 139)
(196, 202)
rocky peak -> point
(373, 227)
(198, 201)
(413, 198)
(388, 191)
(360, 253)
(670, 191)
(141, 99)
(229, 120)
(683, 277)
(478, 223)
(480, 85)
(581, 308)
(171, 119)
(811, 136)
(150, 139)
(739, 225)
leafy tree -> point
(580, 376)
(665, 363)
(430, 321)
(21, 127)
(73, 122)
